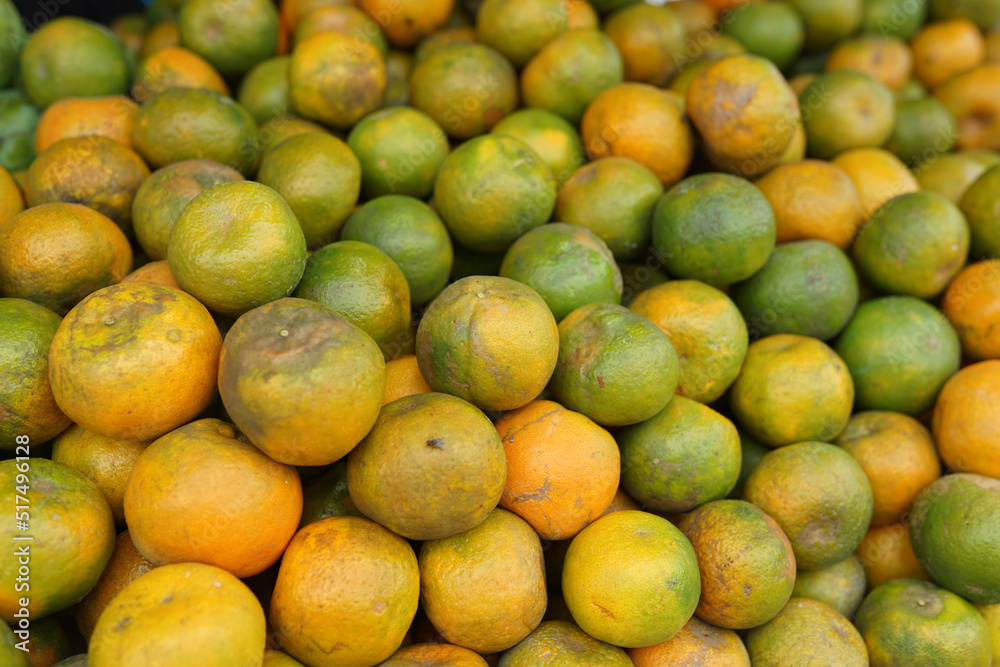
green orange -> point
(651, 41)
(981, 207)
(562, 644)
(828, 23)
(232, 37)
(924, 130)
(806, 632)
(846, 109)
(840, 586)
(773, 30)
(519, 29)
(555, 140)
(264, 90)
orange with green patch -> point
(175, 67)
(806, 632)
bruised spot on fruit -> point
(435, 443)
(604, 610)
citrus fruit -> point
(952, 527)
(398, 68)
(18, 118)
(772, 30)
(915, 622)
(489, 340)
(819, 496)
(195, 124)
(707, 332)
(562, 468)
(400, 151)
(964, 421)
(682, 457)
(553, 138)
(561, 643)
(884, 58)
(279, 659)
(972, 304)
(126, 565)
(442, 39)
(981, 207)
(840, 586)
(175, 67)
(112, 116)
(878, 176)
(236, 246)
(828, 23)
(164, 34)
(648, 602)
(650, 40)
(345, 19)
(519, 29)
(134, 361)
(403, 378)
(992, 615)
(264, 90)
(26, 401)
(893, 18)
(900, 351)
(492, 190)
(293, 11)
(886, 553)
(161, 198)
(641, 122)
(924, 130)
(146, 619)
(434, 655)
(405, 22)
(11, 198)
(613, 382)
(806, 632)
(465, 88)
(72, 531)
(276, 130)
(752, 452)
(484, 588)
(806, 287)
(846, 109)
(971, 97)
(431, 467)
(747, 565)
(72, 57)
(945, 48)
(716, 228)
(950, 175)
(696, 641)
(233, 37)
(319, 177)
(613, 197)
(983, 12)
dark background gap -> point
(102, 11)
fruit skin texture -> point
(519, 29)
(489, 340)
(406, 22)
(643, 603)
(840, 586)
(346, 593)
(981, 207)
(433, 655)
(953, 527)
(126, 565)
(134, 361)
(614, 365)
(911, 622)
(556, 141)
(73, 531)
(682, 457)
(746, 562)
(972, 304)
(886, 553)
(965, 421)
(112, 116)
(484, 589)
(878, 176)
(432, 466)
(819, 496)
(232, 37)
(562, 644)
(139, 628)
(816, 394)
(806, 632)
(846, 109)
(26, 401)
(696, 641)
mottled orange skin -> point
(562, 468)
(697, 644)
(810, 632)
(293, 11)
(11, 198)
(972, 304)
(886, 59)
(434, 655)
(403, 378)
(134, 361)
(126, 565)
(175, 67)
(112, 117)
(973, 98)
(966, 421)
(650, 40)
(946, 48)
(154, 272)
(885, 553)
(878, 176)
(163, 35)
(641, 122)
(406, 22)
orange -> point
(561, 643)
(570, 72)
(175, 67)
(134, 361)
(697, 643)
(161, 198)
(130, 29)
(484, 588)
(886, 59)
(237, 246)
(126, 565)
(898, 457)
(971, 97)
(336, 79)
(105, 461)
(345, 19)
(29, 408)
(972, 304)
(746, 562)
(279, 659)
(878, 176)
(807, 632)
(489, 340)
(846, 109)
(432, 466)
(772, 30)
(643, 604)
(443, 38)
(95, 171)
(276, 130)
(924, 130)
(146, 621)
(295, 416)
(264, 90)
(581, 14)
(562, 468)
(622, 501)
(403, 378)
(519, 29)
(812, 199)
(966, 422)
(555, 140)
(992, 615)
(11, 198)
(434, 655)
(112, 117)
(161, 36)
(819, 496)
(56, 254)
(638, 121)
(950, 174)
(293, 11)
(696, 16)
(405, 22)
(885, 553)
(745, 112)
(346, 593)
(980, 204)
(840, 586)
(650, 40)
(73, 534)
(946, 48)
(233, 37)
(49, 642)
(828, 23)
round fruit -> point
(806, 632)
(886, 553)
(924, 130)
(893, 18)
(264, 91)
(233, 37)
(828, 23)
(650, 40)
(840, 586)
(771, 30)
(965, 422)
(878, 176)
(562, 644)
(886, 59)
(112, 116)
(950, 175)
(971, 97)
(520, 28)
(945, 48)
(405, 22)
(972, 304)
(554, 139)
(984, 13)
(696, 641)
(126, 565)
(981, 207)
(846, 109)
(175, 67)
(345, 18)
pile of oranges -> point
(345, 333)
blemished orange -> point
(886, 59)
(126, 565)
(434, 655)
(562, 468)
(966, 422)
(201, 494)
(807, 632)
(406, 22)
(973, 98)
(112, 117)
(946, 48)
(878, 176)
(812, 199)
(346, 593)
(403, 378)
(972, 304)
(134, 361)
(697, 643)
(154, 272)
(885, 553)
(293, 11)
(175, 67)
